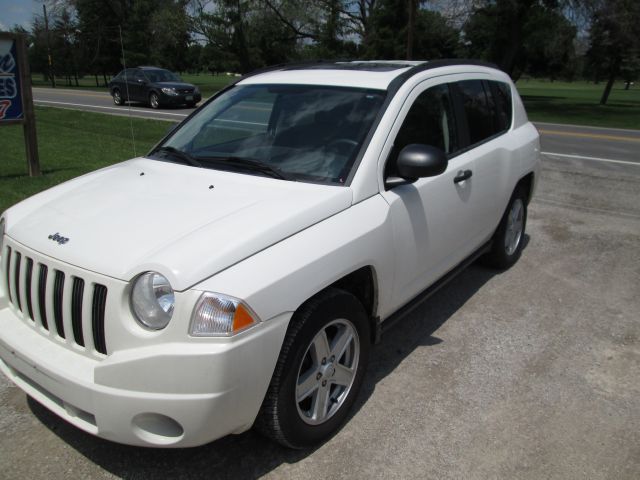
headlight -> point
(1, 235)
(152, 300)
(220, 315)
(169, 91)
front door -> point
(431, 216)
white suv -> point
(239, 273)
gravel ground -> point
(533, 373)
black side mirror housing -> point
(417, 161)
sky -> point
(18, 12)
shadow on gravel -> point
(250, 455)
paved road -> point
(604, 145)
(566, 142)
(101, 102)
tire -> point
(508, 240)
(154, 100)
(294, 416)
(117, 97)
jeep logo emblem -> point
(56, 237)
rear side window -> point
(487, 106)
(479, 112)
(126, 74)
(502, 94)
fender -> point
(280, 278)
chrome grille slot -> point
(8, 273)
(45, 292)
(42, 292)
(76, 310)
(28, 277)
(58, 291)
(97, 314)
(16, 280)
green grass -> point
(208, 84)
(71, 143)
(578, 103)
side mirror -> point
(417, 161)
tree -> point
(548, 49)
(614, 42)
(498, 30)
(169, 24)
(391, 36)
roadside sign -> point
(10, 91)
(16, 98)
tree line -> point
(557, 39)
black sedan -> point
(154, 86)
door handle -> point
(462, 176)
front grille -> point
(185, 90)
(50, 293)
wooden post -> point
(29, 126)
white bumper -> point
(169, 395)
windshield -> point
(303, 132)
(161, 76)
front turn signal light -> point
(218, 315)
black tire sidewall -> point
(151, 95)
(296, 431)
(500, 257)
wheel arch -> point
(362, 284)
(527, 183)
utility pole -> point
(411, 26)
(46, 29)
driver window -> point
(139, 76)
(429, 121)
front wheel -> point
(319, 371)
(508, 239)
(154, 100)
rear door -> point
(126, 84)
(486, 104)
(138, 86)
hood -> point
(179, 85)
(187, 223)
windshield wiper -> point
(179, 154)
(249, 164)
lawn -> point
(208, 84)
(71, 143)
(578, 103)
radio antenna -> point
(126, 83)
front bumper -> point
(180, 99)
(169, 395)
